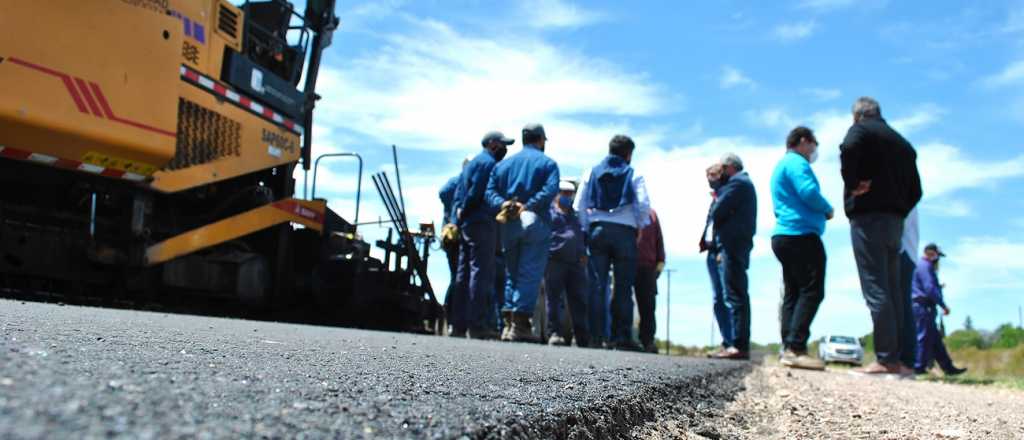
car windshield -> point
(842, 340)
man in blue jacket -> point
(734, 218)
(567, 271)
(800, 215)
(927, 295)
(708, 243)
(613, 207)
(522, 187)
(448, 195)
(475, 277)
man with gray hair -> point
(882, 186)
(734, 218)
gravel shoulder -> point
(81, 372)
(780, 403)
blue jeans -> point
(613, 246)
(598, 295)
(475, 277)
(722, 315)
(737, 298)
(526, 241)
(568, 280)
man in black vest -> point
(613, 206)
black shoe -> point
(483, 333)
(920, 371)
(650, 347)
(456, 332)
(955, 371)
(627, 345)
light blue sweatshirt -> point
(799, 207)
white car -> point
(836, 348)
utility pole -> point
(668, 313)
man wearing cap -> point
(734, 217)
(475, 277)
(613, 207)
(522, 188)
(927, 295)
(566, 275)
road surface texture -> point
(80, 372)
(795, 404)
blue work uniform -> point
(927, 294)
(531, 178)
(475, 275)
(447, 196)
(567, 275)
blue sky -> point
(689, 82)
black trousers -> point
(803, 274)
(876, 247)
(646, 290)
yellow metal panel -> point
(262, 145)
(309, 213)
(80, 77)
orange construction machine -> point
(147, 149)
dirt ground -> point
(781, 403)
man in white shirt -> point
(613, 206)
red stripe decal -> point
(64, 77)
(219, 89)
(110, 172)
(12, 153)
(245, 102)
(292, 207)
(268, 112)
(88, 97)
(67, 164)
(110, 114)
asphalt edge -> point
(695, 399)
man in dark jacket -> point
(734, 218)
(475, 277)
(708, 243)
(566, 276)
(882, 185)
(650, 262)
(613, 206)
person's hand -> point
(718, 258)
(703, 244)
(945, 311)
(830, 215)
(862, 188)
(659, 269)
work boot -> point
(627, 345)
(482, 333)
(788, 358)
(506, 328)
(522, 328)
(954, 371)
(556, 340)
(806, 362)
(650, 347)
(454, 332)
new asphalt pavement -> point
(82, 372)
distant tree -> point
(1007, 336)
(961, 339)
(968, 324)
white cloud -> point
(1012, 74)
(732, 77)
(944, 169)
(826, 4)
(770, 118)
(947, 208)
(921, 117)
(822, 94)
(982, 262)
(557, 14)
(434, 88)
(795, 31)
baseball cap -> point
(534, 130)
(934, 247)
(496, 136)
(566, 185)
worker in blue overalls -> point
(927, 294)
